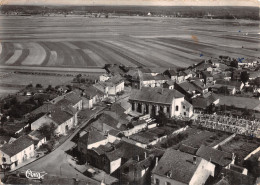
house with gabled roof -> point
(176, 167)
(219, 158)
(151, 100)
(17, 152)
(112, 86)
(63, 116)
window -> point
(157, 181)
(184, 113)
(183, 107)
(167, 183)
(4, 159)
(177, 108)
(168, 109)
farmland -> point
(82, 42)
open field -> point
(15, 82)
(77, 41)
(44, 80)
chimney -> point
(194, 160)
(138, 158)
(156, 161)
(222, 175)
(145, 155)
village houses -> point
(112, 86)
(17, 152)
(177, 167)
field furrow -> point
(25, 53)
(87, 45)
(135, 52)
(54, 48)
(159, 58)
(1, 48)
(36, 56)
(15, 57)
(169, 53)
(53, 58)
(94, 57)
(88, 61)
(73, 58)
(117, 59)
(48, 53)
(7, 52)
(131, 61)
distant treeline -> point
(218, 12)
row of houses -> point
(61, 112)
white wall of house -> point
(97, 144)
(40, 122)
(112, 139)
(78, 105)
(87, 103)
(204, 170)
(176, 108)
(163, 180)
(104, 78)
(135, 130)
(114, 165)
(61, 129)
(19, 157)
(116, 88)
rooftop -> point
(59, 115)
(17, 146)
(179, 164)
(157, 95)
(229, 83)
(216, 156)
(92, 137)
(203, 102)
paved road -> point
(55, 163)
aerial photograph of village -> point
(130, 92)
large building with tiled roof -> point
(152, 100)
(17, 152)
(180, 168)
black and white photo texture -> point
(130, 92)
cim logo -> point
(34, 175)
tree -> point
(38, 85)
(234, 63)
(244, 76)
(48, 131)
(29, 86)
(49, 88)
(161, 118)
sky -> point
(138, 2)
